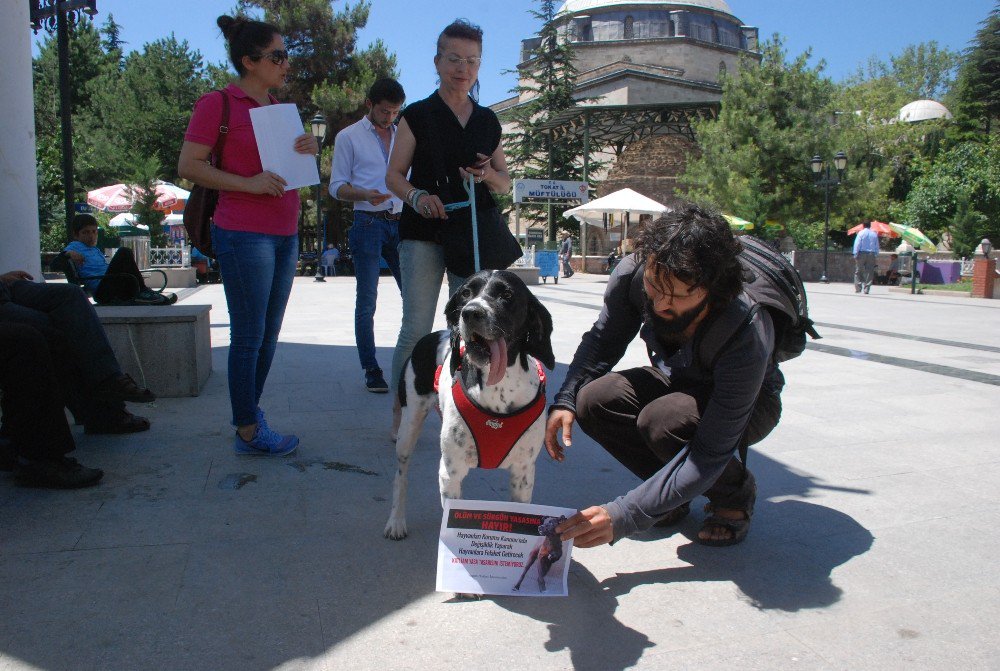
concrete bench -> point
(528, 274)
(165, 348)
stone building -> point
(644, 69)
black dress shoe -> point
(123, 388)
(59, 473)
(125, 422)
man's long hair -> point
(695, 246)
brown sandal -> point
(738, 529)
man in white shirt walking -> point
(360, 157)
(865, 258)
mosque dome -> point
(576, 6)
(923, 110)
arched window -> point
(715, 32)
(629, 27)
(722, 69)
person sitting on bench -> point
(892, 274)
(93, 385)
(117, 282)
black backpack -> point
(774, 284)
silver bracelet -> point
(415, 198)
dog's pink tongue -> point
(498, 361)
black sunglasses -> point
(278, 56)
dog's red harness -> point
(495, 435)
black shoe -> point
(123, 422)
(374, 381)
(123, 388)
(59, 473)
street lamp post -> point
(55, 15)
(319, 130)
(826, 179)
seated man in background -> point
(113, 282)
(329, 259)
(95, 387)
(33, 419)
(892, 274)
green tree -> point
(547, 82)
(754, 158)
(959, 192)
(977, 103)
(141, 112)
(87, 60)
(328, 72)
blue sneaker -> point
(266, 443)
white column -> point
(19, 243)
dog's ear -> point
(453, 308)
(538, 341)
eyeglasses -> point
(278, 56)
(454, 61)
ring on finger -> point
(427, 210)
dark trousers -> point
(122, 281)
(76, 340)
(643, 421)
(33, 416)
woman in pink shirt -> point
(255, 227)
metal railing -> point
(527, 260)
(170, 257)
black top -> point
(443, 147)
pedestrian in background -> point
(865, 258)
(566, 252)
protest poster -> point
(502, 548)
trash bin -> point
(548, 265)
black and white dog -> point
(492, 389)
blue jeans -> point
(257, 271)
(372, 236)
(422, 267)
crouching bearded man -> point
(679, 423)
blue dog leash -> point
(470, 190)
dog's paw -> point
(395, 530)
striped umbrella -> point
(121, 197)
(915, 237)
(882, 228)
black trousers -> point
(122, 281)
(643, 421)
(77, 343)
(33, 416)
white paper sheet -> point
(275, 127)
(494, 547)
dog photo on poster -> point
(502, 548)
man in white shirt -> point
(360, 157)
(865, 258)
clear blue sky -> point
(844, 33)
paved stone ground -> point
(872, 546)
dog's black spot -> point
(424, 361)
